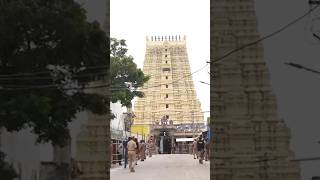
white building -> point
(117, 124)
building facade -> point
(250, 141)
(169, 94)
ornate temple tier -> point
(170, 91)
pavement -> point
(165, 167)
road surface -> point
(165, 167)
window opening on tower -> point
(166, 69)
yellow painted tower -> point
(170, 91)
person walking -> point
(125, 152)
(132, 146)
(147, 148)
(200, 148)
(194, 149)
(151, 146)
(173, 148)
(120, 153)
(206, 149)
(137, 150)
(142, 150)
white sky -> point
(134, 20)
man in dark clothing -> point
(200, 147)
(125, 149)
(120, 152)
(206, 149)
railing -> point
(115, 154)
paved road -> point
(165, 167)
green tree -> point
(48, 55)
(126, 78)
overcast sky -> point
(134, 20)
(297, 91)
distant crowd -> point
(131, 150)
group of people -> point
(200, 148)
(131, 150)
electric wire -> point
(299, 66)
(46, 72)
(265, 37)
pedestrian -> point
(147, 148)
(125, 152)
(132, 146)
(120, 153)
(200, 148)
(151, 146)
(137, 150)
(206, 149)
(194, 149)
(142, 150)
(173, 148)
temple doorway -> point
(164, 143)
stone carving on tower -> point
(250, 141)
(169, 93)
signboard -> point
(184, 139)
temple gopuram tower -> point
(170, 91)
(251, 141)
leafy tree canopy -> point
(126, 78)
(48, 55)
